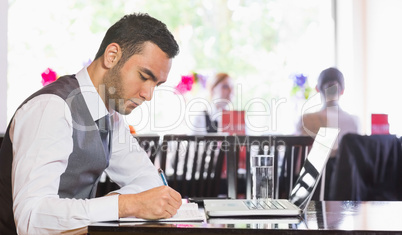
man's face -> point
(127, 87)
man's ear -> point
(316, 88)
(112, 55)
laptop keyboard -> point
(264, 205)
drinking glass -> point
(262, 173)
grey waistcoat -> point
(85, 164)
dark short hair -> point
(330, 75)
(133, 30)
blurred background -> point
(263, 44)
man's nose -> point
(147, 92)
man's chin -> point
(125, 111)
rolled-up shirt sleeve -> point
(41, 133)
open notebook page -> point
(187, 212)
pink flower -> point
(186, 84)
(48, 76)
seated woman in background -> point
(331, 86)
(221, 96)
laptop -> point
(301, 194)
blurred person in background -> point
(208, 121)
(331, 86)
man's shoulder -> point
(348, 115)
(312, 115)
(61, 87)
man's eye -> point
(142, 77)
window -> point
(261, 44)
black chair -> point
(289, 153)
(193, 164)
(151, 145)
(1, 139)
(368, 168)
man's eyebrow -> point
(150, 73)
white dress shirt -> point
(41, 133)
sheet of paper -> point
(187, 212)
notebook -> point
(302, 191)
(187, 212)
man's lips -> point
(135, 103)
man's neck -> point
(331, 103)
(96, 72)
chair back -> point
(289, 154)
(193, 164)
(368, 168)
(151, 145)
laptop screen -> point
(313, 166)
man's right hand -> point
(157, 203)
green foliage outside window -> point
(258, 42)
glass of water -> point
(262, 173)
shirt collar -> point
(94, 102)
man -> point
(330, 85)
(64, 136)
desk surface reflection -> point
(329, 217)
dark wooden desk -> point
(328, 217)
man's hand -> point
(156, 203)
